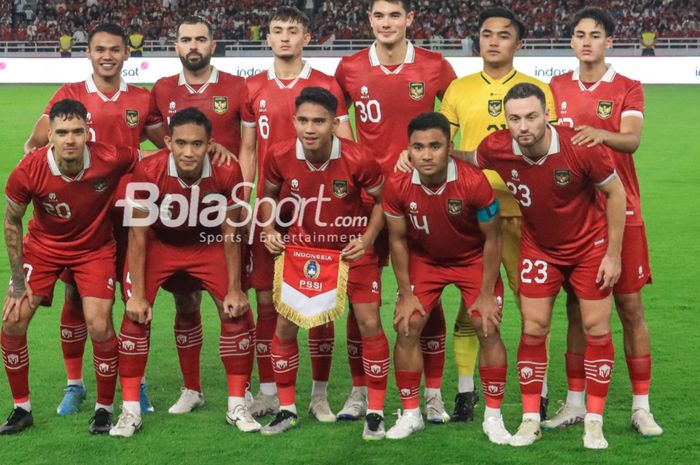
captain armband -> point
(489, 212)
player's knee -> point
(369, 324)
(100, 329)
(187, 303)
(263, 298)
(535, 327)
(285, 329)
(15, 328)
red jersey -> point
(71, 215)
(160, 170)
(603, 105)
(387, 98)
(340, 217)
(221, 98)
(270, 105)
(443, 225)
(118, 119)
(563, 217)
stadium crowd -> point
(241, 20)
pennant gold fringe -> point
(317, 320)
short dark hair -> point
(196, 19)
(190, 116)
(406, 4)
(525, 90)
(599, 15)
(109, 28)
(291, 14)
(430, 120)
(500, 12)
(319, 96)
(68, 109)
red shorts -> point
(636, 272)
(93, 273)
(364, 282)
(183, 265)
(429, 280)
(541, 278)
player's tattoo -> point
(13, 244)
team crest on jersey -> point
(340, 188)
(100, 185)
(312, 269)
(605, 108)
(132, 118)
(220, 105)
(454, 206)
(495, 107)
(416, 90)
(562, 177)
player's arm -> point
(344, 130)
(407, 302)
(39, 136)
(248, 158)
(486, 303)
(609, 270)
(18, 289)
(156, 134)
(236, 302)
(273, 239)
(627, 140)
(356, 247)
(137, 307)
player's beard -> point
(195, 65)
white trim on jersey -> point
(172, 171)
(607, 77)
(213, 79)
(608, 179)
(451, 176)
(553, 149)
(304, 74)
(53, 166)
(335, 154)
(635, 113)
(408, 59)
(92, 89)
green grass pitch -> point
(669, 174)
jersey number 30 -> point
(369, 111)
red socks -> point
(133, 356)
(598, 363)
(15, 356)
(375, 360)
(321, 340)
(265, 329)
(408, 383)
(73, 337)
(532, 366)
(236, 350)
(493, 383)
(432, 343)
(575, 374)
(285, 363)
(357, 371)
(640, 374)
(188, 340)
(106, 358)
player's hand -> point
(354, 250)
(491, 312)
(220, 155)
(609, 271)
(588, 136)
(273, 241)
(13, 301)
(138, 310)
(403, 164)
(236, 303)
(405, 307)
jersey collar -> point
(451, 176)
(607, 77)
(213, 79)
(53, 166)
(305, 74)
(172, 171)
(503, 80)
(335, 154)
(374, 58)
(553, 149)
(92, 89)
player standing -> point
(569, 237)
(390, 83)
(174, 245)
(444, 229)
(318, 162)
(70, 184)
(268, 119)
(474, 106)
(119, 114)
(220, 96)
(607, 109)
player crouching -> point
(444, 229)
(167, 246)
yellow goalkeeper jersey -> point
(474, 106)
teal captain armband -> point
(489, 212)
